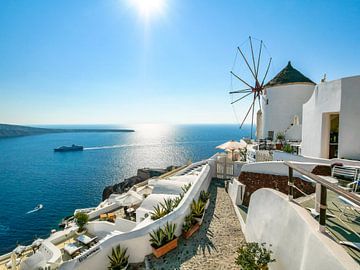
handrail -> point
(346, 194)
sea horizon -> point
(33, 174)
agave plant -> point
(169, 231)
(186, 187)
(176, 201)
(118, 258)
(204, 196)
(197, 208)
(167, 205)
(157, 238)
(188, 223)
(158, 212)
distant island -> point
(7, 131)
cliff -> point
(142, 175)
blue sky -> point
(81, 62)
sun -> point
(147, 8)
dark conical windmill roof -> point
(289, 75)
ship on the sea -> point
(74, 147)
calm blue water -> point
(31, 173)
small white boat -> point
(37, 208)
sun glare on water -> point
(148, 8)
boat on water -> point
(37, 208)
(74, 147)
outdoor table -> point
(103, 216)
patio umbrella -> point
(130, 199)
(232, 146)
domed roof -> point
(288, 75)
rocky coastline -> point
(141, 176)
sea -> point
(31, 173)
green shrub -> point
(287, 148)
(253, 256)
(81, 219)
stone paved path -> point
(214, 245)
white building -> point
(323, 116)
(282, 103)
(331, 127)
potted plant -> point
(197, 210)
(81, 219)
(254, 256)
(118, 259)
(204, 197)
(287, 148)
(163, 240)
(280, 137)
(158, 212)
(190, 226)
(186, 187)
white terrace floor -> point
(214, 245)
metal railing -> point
(323, 191)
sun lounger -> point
(86, 240)
(354, 245)
(72, 249)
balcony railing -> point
(323, 191)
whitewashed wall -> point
(339, 96)
(275, 167)
(349, 135)
(284, 102)
(137, 240)
(101, 228)
(325, 99)
(283, 156)
(293, 233)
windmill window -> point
(267, 101)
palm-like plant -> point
(169, 231)
(188, 223)
(157, 238)
(197, 208)
(158, 212)
(167, 205)
(186, 187)
(176, 201)
(118, 258)
(204, 196)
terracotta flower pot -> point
(192, 230)
(158, 252)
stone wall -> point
(254, 181)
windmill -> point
(248, 76)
